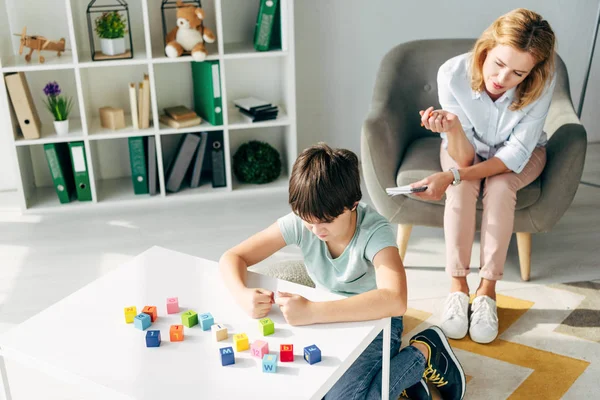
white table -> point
(84, 340)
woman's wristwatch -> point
(456, 174)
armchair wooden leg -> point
(402, 240)
(524, 247)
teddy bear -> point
(190, 33)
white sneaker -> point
(484, 320)
(455, 321)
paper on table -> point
(404, 190)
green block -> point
(267, 326)
(189, 318)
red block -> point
(176, 333)
(286, 353)
(151, 311)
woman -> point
(494, 102)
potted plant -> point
(59, 106)
(111, 28)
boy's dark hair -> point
(323, 183)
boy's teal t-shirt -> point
(353, 271)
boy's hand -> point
(295, 308)
(257, 302)
(439, 121)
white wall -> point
(340, 43)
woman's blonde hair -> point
(523, 30)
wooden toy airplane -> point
(40, 44)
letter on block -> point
(286, 353)
(172, 305)
(267, 327)
(142, 321)
(227, 356)
(240, 342)
(130, 313)
(176, 333)
(312, 354)
(206, 321)
(259, 348)
(189, 318)
(151, 311)
(269, 363)
(219, 332)
(153, 338)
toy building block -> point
(312, 354)
(112, 118)
(130, 313)
(142, 321)
(151, 311)
(172, 305)
(153, 338)
(189, 318)
(267, 327)
(206, 321)
(176, 333)
(219, 332)
(240, 342)
(227, 356)
(269, 363)
(286, 353)
(259, 348)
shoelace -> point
(454, 307)
(482, 311)
(431, 375)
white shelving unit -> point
(94, 84)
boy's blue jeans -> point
(363, 379)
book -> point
(59, 162)
(198, 161)
(252, 104)
(137, 159)
(404, 190)
(23, 105)
(133, 104)
(180, 164)
(146, 103)
(165, 119)
(265, 25)
(206, 79)
(180, 113)
(80, 171)
(217, 159)
(151, 152)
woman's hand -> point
(436, 185)
(439, 120)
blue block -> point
(227, 357)
(206, 321)
(142, 321)
(269, 363)
(153, 338)
(312, 354)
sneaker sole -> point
(448, 348)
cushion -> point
(290, 270)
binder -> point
(206, 78)
(80, 171)
(59, 162)
(152, 165)
(137, 159)
(22, 102)
(198, 161)
(179, 166)
(267, 32)
(217, 158)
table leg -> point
(5, 393)
(385, 370)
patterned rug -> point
(548, 345)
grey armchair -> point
(395, 150)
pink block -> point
(172, 305)
(259, 348)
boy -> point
(348, 248)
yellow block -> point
(130, 313)
(240, 342)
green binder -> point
(80, 172)
(267, 32)
(57, 155)
(139, 171)
(207, 91)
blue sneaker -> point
(418, 391)
(443, 369)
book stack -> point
(256, 110)
(140, 103)
(180, 117)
